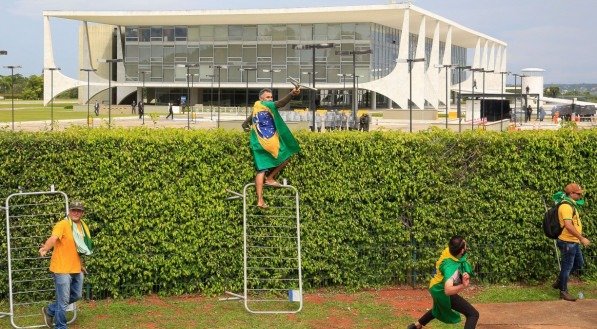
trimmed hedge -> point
(156, 201)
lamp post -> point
(483, 98)
(410, 62)
(110, 63)
(3, 52)
(219, 67)
(313, 47)
(12, 90)
(458, 105)
(88, 71)
(515, 102)
(446, 67)
(343, 75)
(193, 75)
(247, 70)
(188, 67)
(211, 96)
(143, 95)
(311, 95)
(51, 69)
(271, 76)
(474, 86)
(502, 102)
(354, 54)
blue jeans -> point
(572, 260)
(69, 289)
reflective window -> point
(193, 34)
(250, 33)
(206, 32)
(221, 55)
(293, 32)
(279, 33)
(334, 32)
(144, 55)
(235, 32)
(221, 33)
(156, 34)
(249, 54)
(145, 34)
(180, 33)
(169, 54)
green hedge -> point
(157, 201)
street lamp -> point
(354, 54)
(474, 86)
(219, 67)
(88, 71)
(247, 70)
(311, 95)
(502, 102)
(188, 66)
(483, 98)
(143, 94)
(458, 105)
(343, 75)
(410, 62)
(515, 102)
(271, 76)
(51, 69)
(3, 52)
(446, 67)
(313, 47)
(110, 63)
(12, 89)
(211, 96)
(193, 75)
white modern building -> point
(232, 51)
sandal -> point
(273, 184)
(263, 206)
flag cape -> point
(271, 141)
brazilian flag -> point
(271, 141)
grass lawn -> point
(35, 111)
(390, 307)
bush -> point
(157, 203)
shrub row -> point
(374, 206)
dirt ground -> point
(556, 314)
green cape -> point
(442, 306)
(288, 144)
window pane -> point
(168, 33)
(156, 33)
(145, 34)
(279, 56)
(250, 55)
(144, 55)
(264, 51)
(206, 32)
(180, 32)
(334, 32)
(250, 33)
(293, 32)
(206, 51)
(169, 54)
(306, 32)
(279, 33)
(221, 33)
(157, 51)
(220, 55)
(193, 34)
(235, 32)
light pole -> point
(12, 89)
(211, 96)
(446, 67)
(3, 52)
(193, 75)
(271, 76)
(311, 95)
(110, 63)
(143, 95)
(474, 86)
(354, 54)
(188, 66)
(88, 71)
(219, 67)
(458, 105)
(515, 102)
(483, 98)
(51, 69)
(502, 102)
(410, 62)
(343, 75)
(313, 47)
(247, 70)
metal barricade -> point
(272, 274)
(30, 217)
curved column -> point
(418, 69)
(432, 84)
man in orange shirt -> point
(70, 239)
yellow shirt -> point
(566, 212)
(65, 258)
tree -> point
(33, 87)
(552, 91)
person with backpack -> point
(452, 275)
(70, 240)
(571, 238)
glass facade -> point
(162, 49)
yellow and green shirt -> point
(566, 212)
(65, 258)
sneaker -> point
(411, 326)
(566, 296)
(48, 320)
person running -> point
(453, 273)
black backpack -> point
(551, 221)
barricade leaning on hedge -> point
(375, 208)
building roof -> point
(389, 15)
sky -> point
(559, 36)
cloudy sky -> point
(559, 36)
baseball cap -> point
(76, 205)
(573, 188)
